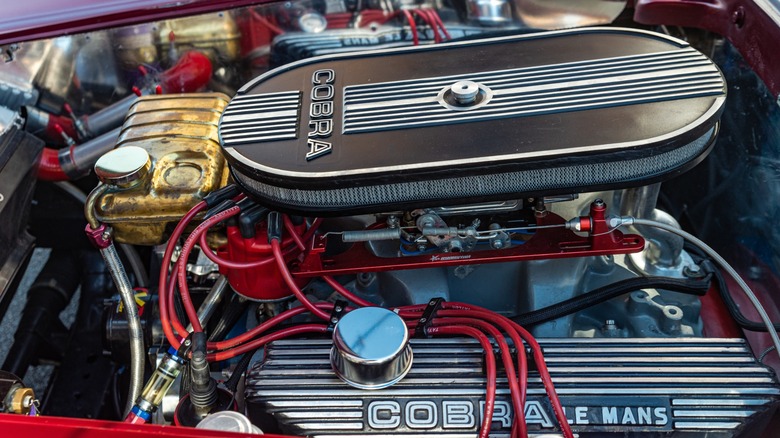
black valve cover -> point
(556, 112)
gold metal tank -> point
(180, 134)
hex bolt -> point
(693, 271)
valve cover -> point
(692, 387)
(536, 114)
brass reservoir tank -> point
(180, 134)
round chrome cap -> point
(371, 348)
(229, 421)
(123, 167)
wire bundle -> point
(175, 330)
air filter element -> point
(539, 114)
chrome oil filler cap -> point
(123, 167)
(371, 348)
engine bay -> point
(387, 218)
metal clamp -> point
(339, 309)
(421, 331)
(100, 237)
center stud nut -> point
(371, 348)
(465, 92)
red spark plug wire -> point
(288, 225)
(259, 342)
(184, 292)
(412, 27)
(522, 363)
(288, 278)
(347, 294)
(490, 367)
(168, 325)
(506, 357)
(481, 313)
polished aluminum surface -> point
(261, 117)
(698, 384)
(123, 167)
(522, 92)
(371, 348)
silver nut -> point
(465, 92)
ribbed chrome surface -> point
(261, 117)
(666, 384)
(521, 92)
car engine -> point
(384, 218)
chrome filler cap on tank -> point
(371, 348)
(123, 167)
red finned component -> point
(137, 91)
(261, 283)
(547, 243)
(191, 73)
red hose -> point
(440, 23)
(490, 366)
(49, 168)
(430, 21)
(191, 73)
(265, 325)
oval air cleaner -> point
(546, 113)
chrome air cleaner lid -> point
(371, 348)
(545, 113)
